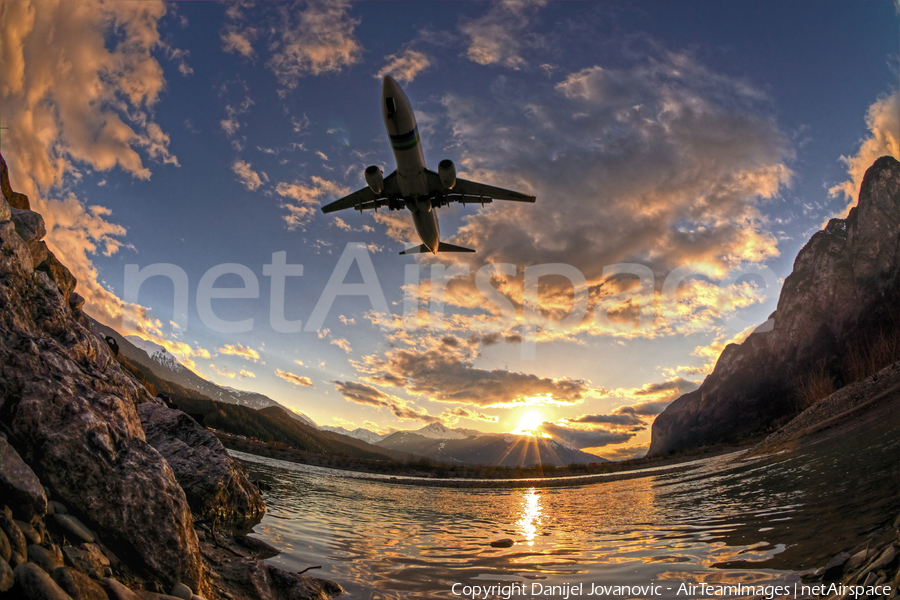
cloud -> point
(295, 379)
(246, 175)
(343, 344)
(341, 224)
(452, 415)
(445, 372)
(586, 438)
(304, 198)
(318, 39)
(883, 121)
(662, 163)
(621, 419)
(370, 396)
(652, 398)
(626, 452)
(235, 40)
(499, 35)
(96, 111)
(223, 371)
(405, 65)
(240, 350)
(244, 374)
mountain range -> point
(435, 441)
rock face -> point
(71, 413)
(216, 487)
(843, 293)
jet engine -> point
(447, 172)
(375, 179)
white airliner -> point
(413, 185)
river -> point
(723, 521)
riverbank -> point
(848, 411)
(467, 476)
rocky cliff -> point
(837, 319)
(93, 470)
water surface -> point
(728, 521)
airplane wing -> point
(471, 192)
(365, 198)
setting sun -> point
(529, 424)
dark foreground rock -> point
(836, 321)
(215, 485)
(117, 521)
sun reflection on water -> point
(530, 518)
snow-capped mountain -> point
(359, 433)
(162, 364)
(437, 431)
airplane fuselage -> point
(400, 122)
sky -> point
(681, 154)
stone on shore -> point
(78, 585)
(44, 558)
(19, 485)
(33, 583)
(117, 591)
(216, 487)
(504, 543)
(87, 558)
(179, 590)
(7, 578)
(16, 539)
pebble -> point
(14, 536)
(5, 550)
(32, 583)
(179, 590)
(75, 527)
(43, 558)
(883, 560)
(78, 585)
(504, 543)
(154, 596)
(6, 576)
(117, 591)
(56, 508)
(31, 534)
(87, 558)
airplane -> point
(412, 185)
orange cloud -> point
(404, 66)
(295, 379)
(94, 111)
(883, 121)
(318, 39)
(240, 350)
(303, 199)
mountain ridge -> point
(836, 312)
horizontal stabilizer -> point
(442, 247)
(445, 247)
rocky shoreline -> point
(107, 494)
(866, 571)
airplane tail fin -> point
(442, 247)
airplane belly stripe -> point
(405, 141)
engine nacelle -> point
(447, 172)
(375, 179)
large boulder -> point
(71, 413)
(843, 293)
(216, 487)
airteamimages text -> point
(684, 590)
